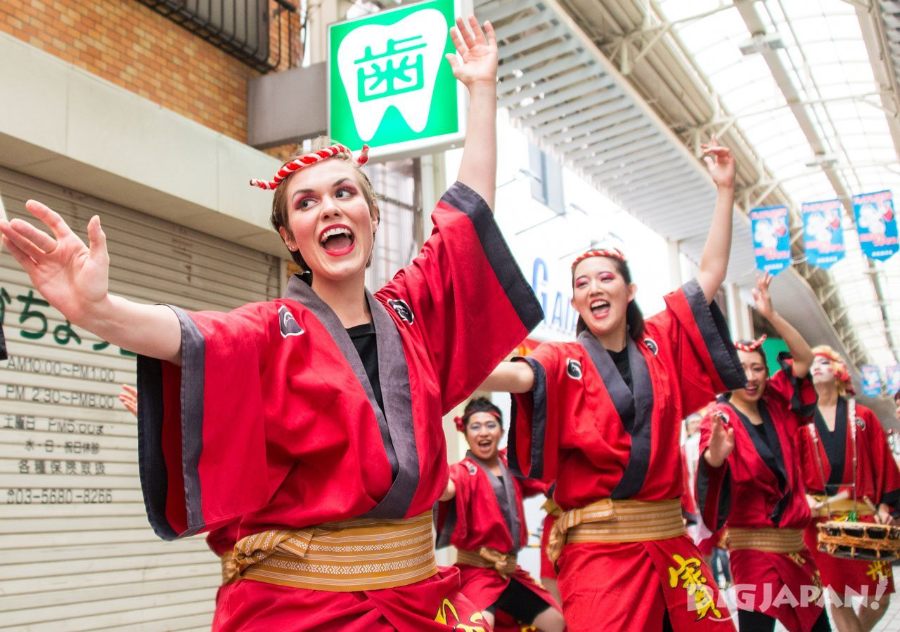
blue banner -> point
(876, 224)
(871, 380)
(823, 238)
(771, 238)
(892, 379)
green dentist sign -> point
(389, 85)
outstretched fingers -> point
(27, 239)
(97, 239)
(490, 34)
(461, 37)
(24, 260)
(50, 218)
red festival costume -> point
(583, 427)
(548, 568)
(271, 422)
(856, 459)
(759, 490)
(487, 512)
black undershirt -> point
(363, 337)
(760, 431)
(620, 358)
(835, 444)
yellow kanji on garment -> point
(689, 574)
(448, 615)
(879, 569)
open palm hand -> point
(476, 59)
(71, 276)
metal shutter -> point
(78, 551)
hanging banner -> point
(871, 380)
(823, 238)
(876, 224)
(892, 378)
(771, 238)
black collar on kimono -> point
(396, 422)
(505, 491)
(769, 450)
(634, 409)
(834, 443)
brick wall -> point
(130, 45)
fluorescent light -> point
(760, 43)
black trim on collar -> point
(635, 410)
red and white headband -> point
(306, 160)
(751, 346)
(612, 253)
(460, 422)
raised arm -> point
(475, 65)
(75, 280)
(716, 252)
(801, 353)
(509, 377)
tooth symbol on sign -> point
(396, 65)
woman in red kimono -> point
(482, 516)
(304, 434)
(749, 480)
(848, 468)
(602, 417)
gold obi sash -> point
(347, 556)
(610, 520)
(841, 509)
(503, 563)
(765, 539)
(552, 508)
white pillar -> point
(739, 321)
(674, 253)
(321, 14)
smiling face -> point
(601, 295)
(822, 370)
(329, 220)
(483, 432)
(754, 366)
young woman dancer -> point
(482, 516)
(849, 473)
(749, 480)
(303, 434)
(602, 417)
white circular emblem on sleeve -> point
(402, 309)
(573, 368)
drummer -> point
(850, 474)
(749, 482)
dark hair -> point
(759, 350)
(897, 396)
(634, 319)
(481, 405)
(279, 215)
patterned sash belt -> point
(764, 539)
(838, 509)
(348, 556)
(552, 508)
(610, 520)
(503, 563)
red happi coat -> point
(271, 422)
(688, 477)
(760, 486)
(860, 440)
(487, 512)
(581, 426)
